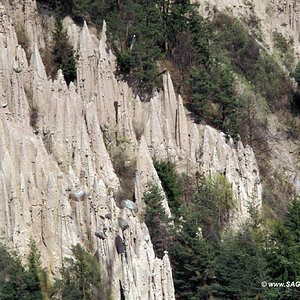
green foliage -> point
(37, 279)
(205, 56)
(177, 19)
(156, 219)
(231, 34)
(280, 42)
(284, 254)
(214, 97)
(19, 282)
(91, 10)
(201, 34)
(197, 236)
(233, 44)
(137, 35)
(11, 275)
(81, 277)
(296, 74)
(214, 199)
(294, 127)
(63, 54)
(124, 164)
(212, 93)
(124, 62)
(170, 183)
(270, 79)
(240, 267)
(192, 257)
(285, 50)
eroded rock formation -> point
(57, 181)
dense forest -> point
(227, 80)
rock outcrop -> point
(57, 181)
(268, 16)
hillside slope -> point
(70, 155)
(58, 181)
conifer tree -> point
(82, 277)
(12, 274)
(191, 256)
(156, 219)
(284, 252)
(37, 280)
(214, 98)
(18, 282)
(240, 267)
(213, 200)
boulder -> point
(119, 245)
(17, 69)
(123, 224)
(77, 196)
(100, 234)
(108, 216)
(129, 204)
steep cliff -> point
(57, 180)
(265, 19)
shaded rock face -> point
(269, 15)
(57, 181)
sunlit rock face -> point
(57, 181)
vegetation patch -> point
(119, 149)
(81, 277)
(156, 219)
(170, 183)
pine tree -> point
(37, 280)
(214, 200)
(92, 11)
(191, 256)
(29, 282)
(240, 267)
(82, 277)
(214, 98)
(156, 219)
(284, 252)
(137, 33)
(12, 273)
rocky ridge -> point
(57, 181)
